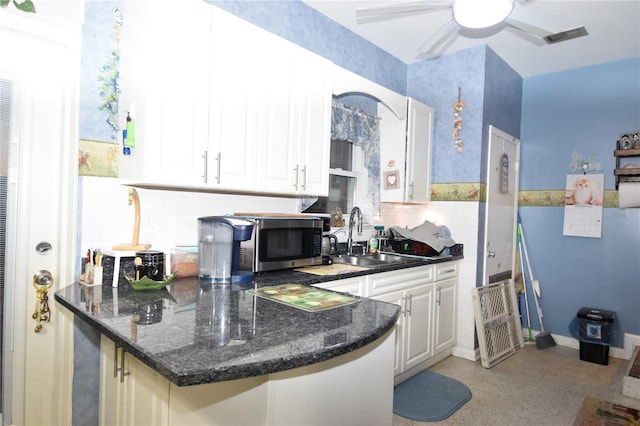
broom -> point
(520, 275)
(544, 339)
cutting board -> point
(333, 269)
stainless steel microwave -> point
(282, 242)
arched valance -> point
(362, 129)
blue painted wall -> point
(435, 82)
(583, 110)
(303, 25)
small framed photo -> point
(391, 179)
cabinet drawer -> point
(446, 270)
(353, 286)
(397, 280)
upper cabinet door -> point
(270, 112)
(236, 97)
(311, 121)
(419, 140)
(164, 83)
(222, 104)
(405, 153)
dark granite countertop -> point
(195, 333)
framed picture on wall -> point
(391, 179)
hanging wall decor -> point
(580, 163)
(457, 124)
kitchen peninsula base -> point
(355, 388)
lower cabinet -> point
(445, 315)
(354, 388)
(130, 392)
(354, 286)
(427, 296)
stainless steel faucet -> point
(354, 211)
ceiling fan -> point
(469, 18)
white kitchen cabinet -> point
(413, 290)
(426, 328)
(354, 286)
(294, 145)
(164, 81)
(139, 397)
(445, 315)
(446, 312)
(427, 296)
(405, 153)
(222, 104)
(310, 116)
(270, 114)
(147, 398)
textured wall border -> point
(460, 191)
(477, 191)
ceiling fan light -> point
(481, 13)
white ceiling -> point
(613, 27)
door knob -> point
(491, 254)
(42, 282)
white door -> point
(502, 206)
(39, 71)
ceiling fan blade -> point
(439, 41)
(528, 29)
(398, 10)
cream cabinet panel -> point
(397, 280)
(294, 150)
(445, 315)
(354, 286)
(164, 81)
(418, 334)
(418, 162)
(142, 397)
(405, 153)
(413, 290)
(398, 298)
(238, 102)
(427, 296)
(311, 122)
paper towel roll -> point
(629, 194)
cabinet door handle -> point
(438, 295)
(218, 167)
(120, 369)
(295, 172)
(205, 157)
(410, 299)
(411, 191)
(304, 178)
(115, 360)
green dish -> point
(146, 283)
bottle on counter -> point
(373, 245)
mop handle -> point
(524, 245)
(524, 280)
(535, 296)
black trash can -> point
(595, 327)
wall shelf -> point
(626, 174)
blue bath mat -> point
(429, 397)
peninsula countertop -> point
(195, 333)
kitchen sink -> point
(372, 260)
